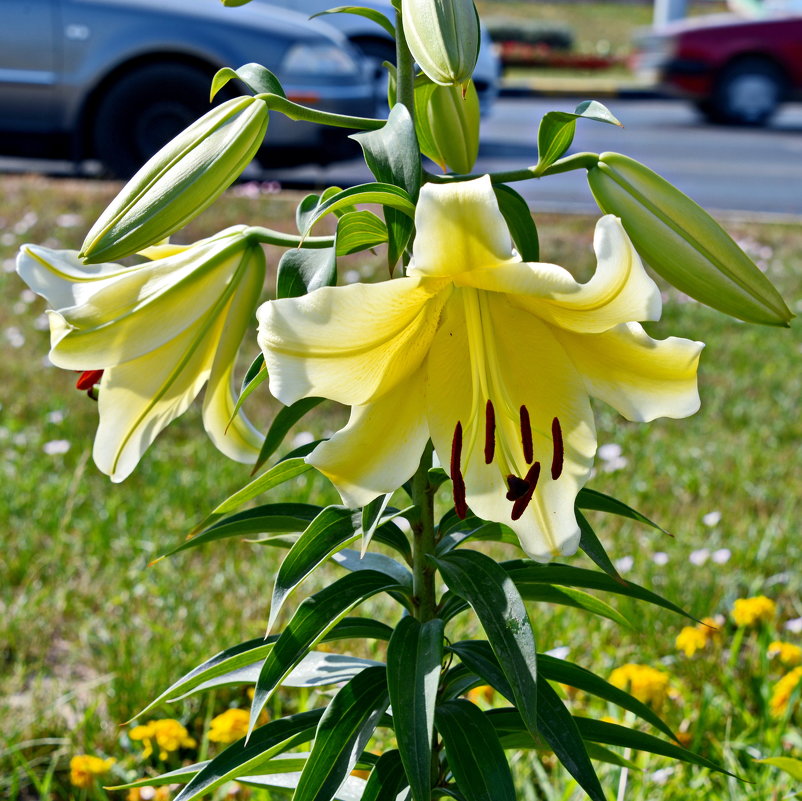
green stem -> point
(405, 77)
(267, 236)
(577, 161)
(423, 540)
(295, 111)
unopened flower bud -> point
(447, 124)
(179, 181)
(443, 37)
(683, 243)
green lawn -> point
(89, 633)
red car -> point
(736, 71)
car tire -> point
(143, 110)
(747, 92)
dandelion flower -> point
(229, 727)
(782, 692)
(84, 769)
(748, 612)
(786, 653)
(168, 734)
(690, 640)
(647, 684)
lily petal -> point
(351, 343)
(511, 358)
(642, 378)
(240, 440)
(458, 228)
(380, 447)
(118, 315)
(619, 290)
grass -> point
(88, 633)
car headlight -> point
(318, 59)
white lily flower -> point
(492, 358)
(158, 331)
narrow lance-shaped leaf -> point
(414, 656)
(593, 500)
(353, 560)
(368, 13)
(475, 755)
(387, 779)
(359, 230)
(240, 759)
(501, 611)
(518, 217)
(371, 516)
(591, 545)
(314, 617)
(257, 78)
(255, 377)
(275, 476)
(333, 527)
(282, 423)
(343, 731)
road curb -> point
(525, 91)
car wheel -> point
(144, 110)
(747, 93)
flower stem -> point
(423, 540)
(267, 236)
(295, 111)
(577, 161)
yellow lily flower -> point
(158, 332)
(492, 358)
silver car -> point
(115, 79)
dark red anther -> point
(88, 379)
(559, 452)
(517, 487)
(526, 435)
(457, 481)
(490, 432)
(531, 479)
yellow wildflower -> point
(484, 693)
(782, 692)
(753, 611)
(168, 734)
(229, 727)
(84, 768)
(786, 653)
(690, 640)
(648, 685)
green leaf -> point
(387, 779)
(392, 155)
(257, 78)
(518, 217)
(178, 776)
(350, 790)
(302, 270)
(333, 527)
(500, 609)
(310, 205)
(567, 596)
(312, 619)
(791, 766)
(613, 734)
(282, 423)
(582, 679)
(561, 733)
(371, 516)
(414, 656)
(474, 752)
(266, 519)
(378, 562)
(240, 759)
(255, 377)
(590, 544)
(556, 130)
(369, 13)
(592, 500)
(526, 574)
(344, 730)
(381, 193)
(359, 230)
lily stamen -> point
(526, 435)
(490, 432)
(531, 479)
(559, 451)
(88, 379)
(457, 481)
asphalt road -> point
(741, 170)
(723, 169)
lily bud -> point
(683, 243)
(443, 37)
(179, 181)
(447, 124)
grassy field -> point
(89, 633)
